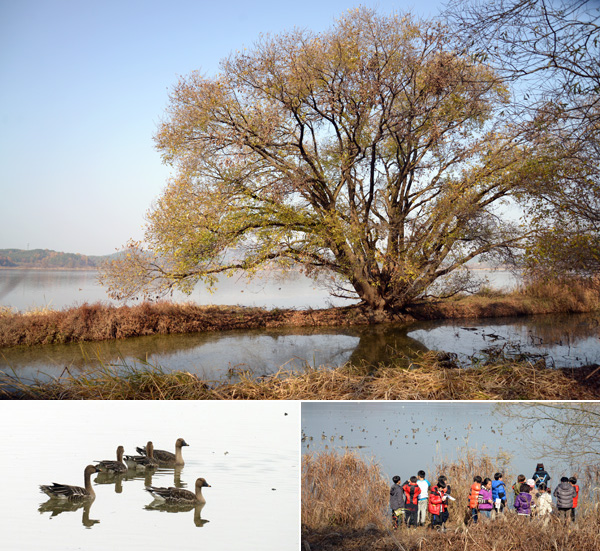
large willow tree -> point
(373, 151)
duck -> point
(180, 495)
(168, 459)
(144, 461)
(73, 493)
(109, 465)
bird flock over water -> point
(147, 459)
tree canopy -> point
(550, 49)
(376, 151)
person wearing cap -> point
(397, 502)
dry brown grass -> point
(95, 322)
(342, 490)
(424, 379)
(330, 520)
(568, 297)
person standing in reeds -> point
(397, 501)
(573, 482)
(565, 494)
(516, 487)
(540, 476)
(498, 494)
(423, 498)
(544, 508)
(486, 503)
(474, 497)
(438, 505)
(523, 502)
(411, 493)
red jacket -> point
(436, 504)
(576, 495)
(412, 491)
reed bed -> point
(342, 490)
(97, 322)
(332, 520)
(425, 378)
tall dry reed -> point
(341, 489)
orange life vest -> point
(474, 495)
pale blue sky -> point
(82, 87)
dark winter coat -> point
(564, 494)
(397, 497)
(540, 477)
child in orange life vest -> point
(473, 496)
(573, 482)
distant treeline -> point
(44, 258)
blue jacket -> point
(498, 490)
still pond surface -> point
(248, 453)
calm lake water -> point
(248, 452)
(562, 340)
(405, 437)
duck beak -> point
(184, 443)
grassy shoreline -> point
(427, 378)
(96, 322)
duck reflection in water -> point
(114, 478)
(165, 507)
(56, 507)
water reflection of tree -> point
(384, 344)
(57, 506)
(562, 330)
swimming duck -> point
(165, 458)
(74, 493)
(118, 466)
(144, 461)
(180, 495)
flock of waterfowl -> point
(148, 459)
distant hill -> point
(47, 259)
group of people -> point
(410, 501)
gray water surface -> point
(405, 437)
(562, 341)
